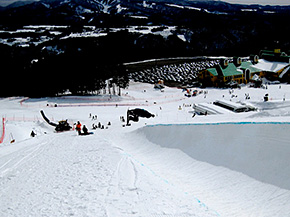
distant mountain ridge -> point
(71, 36)
(22, 3)
(86, 12)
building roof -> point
(213, 71)
(232, 69)
(249, 65)
(274, 55)
(269, 66)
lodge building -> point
(273, 65)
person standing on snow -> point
(79, 127)
(32, 134)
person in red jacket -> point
(79, 127)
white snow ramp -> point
(261, 151)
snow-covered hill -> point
(171, 165)
(84, 10)
(84, 6)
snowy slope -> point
(63, 175)
(158, 170)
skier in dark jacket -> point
(85, 130)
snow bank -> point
(258, 150)
(226, 166)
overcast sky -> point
(262, 2)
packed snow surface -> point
(176, 164)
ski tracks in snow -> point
(14, 162)
(123, 193)
(136, 190)
(61, 175)
(69, 175)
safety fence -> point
(3, 130)
(119, 104)
(163, 100)
(24, 118)
(100, 104)
(88, 101)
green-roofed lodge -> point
(238, 71)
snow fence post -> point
(3, 130)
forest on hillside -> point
(53, 62)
